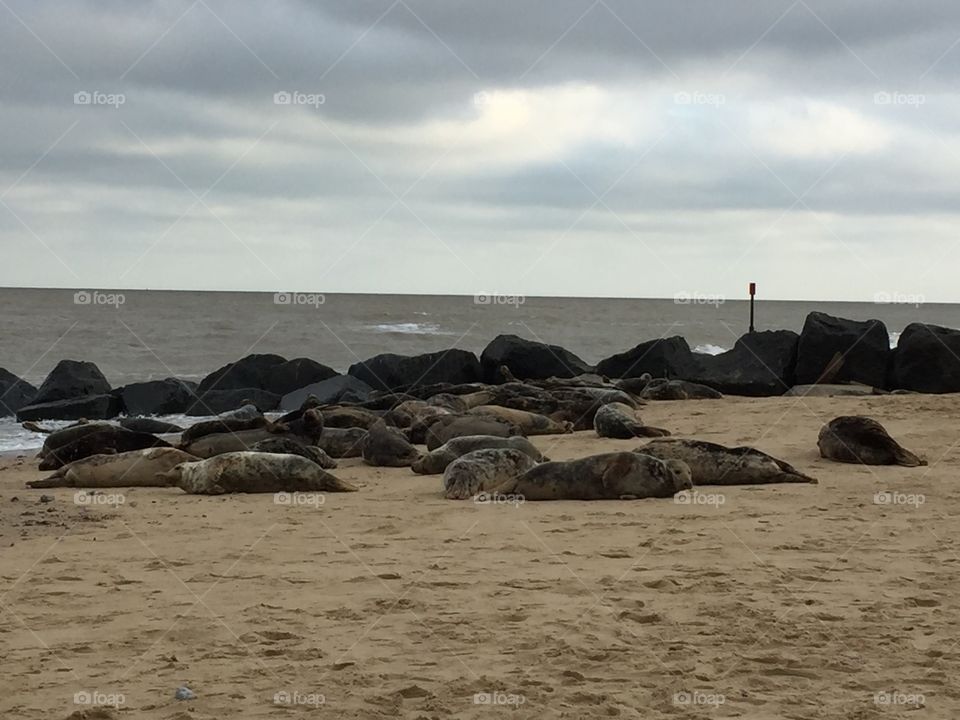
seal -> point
(65, 436)
(610, 476)
(409, 412)
(529, 423)
(663, 389)
(109, 440)
(452, 426)
(306, 430)
(347, 417)
(285, 445)
(342, 442)
(436, 461)
(862, 440)
(221, 425)
(149, 425)
(253, 472)
(483, 470)
(712, 464)
(135, 468)
(387, 447)
(617, 420)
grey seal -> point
(862, 440)
(712, 464)
(610, 476)
(483, 470)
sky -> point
(618, 148)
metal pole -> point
(753, 291)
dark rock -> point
(14, 393)
(72, 379)
(215, 402)
(927, 359)
(529, 360)
(663, 358)
(294, 374)
(327, 392)
(92, 407)
(761, 364)
(157, 397)
(395, 372)
(248, 372)
(835, 350)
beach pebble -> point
(184, 693)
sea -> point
(137, 335)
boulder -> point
(327, 391)
(927, 359)
(760, 364)
(215, 402)
(72, 379)
(293, 374)
(157, 397)
(92, 407)
(14, 393)
(393, 372)
(662, 358)
(529, 360)
(248, 372)
(837, 350)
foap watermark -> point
(700, 98)
(295, 697)
(888, 497)
(295, 97)
(97, 297)
(899, 98)
(486, 298)
(481, 99)
(499, 698)
(298, 499)
(84, 97)
(83, 497)
(99, 698)
(695, 497)
(896, 697)
(494, 498)
(696, 298)
(293, 299)
(699, 697)
(899, 298)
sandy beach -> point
(784, 601)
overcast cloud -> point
(561, 147)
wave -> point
(710, 349)
(408, 328)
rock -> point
(72, 379)
(248, 372)
(157, 397)
(294, 374)
(215, 402)
(14, 393)
(761, 364)
(927, 359)
(663, 358)
(92, 407)
(834, 350)
(327, 392)
(529, 360)
(184, 693)
(394, 372)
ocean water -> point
(143, 335)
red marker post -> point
(753, 291)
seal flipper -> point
(906, 458)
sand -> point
(785, 601)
